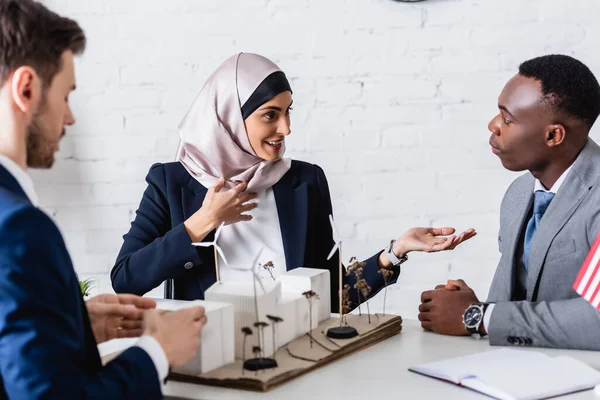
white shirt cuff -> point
(156, 353)
(487, 316)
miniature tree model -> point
(346, 302)
(247, 332)
(217, 249)
(257, 351)
(256, 279)
(387, 274)
(259, 362)
(274, 321)
(269, 267)
(339, 332)
(311, 296)
(356, 267)
(365, 290)
(260, 327)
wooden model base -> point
(299, 357)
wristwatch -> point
(393, 258)
(473, 317)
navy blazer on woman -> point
(157, 247)
(47, 347)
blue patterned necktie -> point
(541, 202)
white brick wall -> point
(391, 99)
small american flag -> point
(587, 283)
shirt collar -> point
(554, 189)
(22, 178)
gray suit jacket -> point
(553, 315)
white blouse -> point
(241, 242)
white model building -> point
(230, 306)
(300, 280)
(217, 336)
(293, 308)
(241, 296)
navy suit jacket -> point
(157, 246)
(47, 347)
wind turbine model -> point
(260, 362)
(217, 249)
(339, 332)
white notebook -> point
(514, 374)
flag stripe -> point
(587, 283)
(592, 293)
(596, 301)
(588, 269)
(594, 281)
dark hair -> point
(270, 87)
(32, 35)
(568, 86)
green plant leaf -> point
(86, 286)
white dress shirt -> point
(243, 241)
(536, 187)
(146, 342)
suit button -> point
(528, 341)
(188, 265)
(512, 340)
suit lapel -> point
(291, 198)
(193, 195)
(513, 234)
(568, 199)
(10, 183)
(562, 207)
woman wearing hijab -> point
(230, 170)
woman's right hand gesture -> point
(229, 206)
(220, 206)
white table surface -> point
(378, 372)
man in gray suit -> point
(549, 217)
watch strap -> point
(484, 309)
(392, 257)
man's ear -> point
(26, 89)
(555, 135)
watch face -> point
(473, 316)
